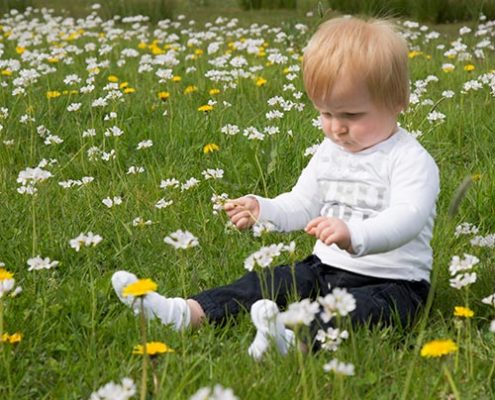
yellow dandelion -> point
(438, 348)
(260, 81)
(52, 94)
(163, 96)
(414, 54)
(20, 50)
(469, 67)
(123, 85)
(4, 274)
(155, 49)
(73, 36)
(176, 78)
(210, 148)
(15, 338)
(213, 92)
(261, 52)
(142, 45)
(153, 349)
(52, 60)
(12, 339)
(463, 312)
(190, 89)
(139, 288)
(198, 52)
(206, 108)
(129, 90)
(113, 79)
(6, 72)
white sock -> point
(169, 311)
(265, 316)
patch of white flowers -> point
(30, 177)
(85, 240)
(110, 202)
(264, 256)
(37, 263)
(181, 239)
(218, 392)
(339, 367)
(458, 267)
(114, 391)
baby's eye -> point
(352, 115)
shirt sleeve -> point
(293, 210)
(414, 187)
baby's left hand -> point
(330, 230)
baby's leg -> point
(280, 284)
(387, 302)
(176, 311)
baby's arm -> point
(287, 212)
(414, 183)
(243, 212)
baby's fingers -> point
(232, 205)
(314, 223)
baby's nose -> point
(338, 128)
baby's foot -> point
(264, 314)
(168, 310)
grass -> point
(77, 336)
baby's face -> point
(352, 120)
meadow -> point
(116, 133)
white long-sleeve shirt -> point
(386, 194)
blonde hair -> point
(356, 49)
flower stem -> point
(1, 324)
(144, 375)
(302, 370)
(492, 370)
(2, 349)
(451, 382)
(156, 383)
(262, 176)
(33, 218)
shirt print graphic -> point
(351, 190)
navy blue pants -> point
(377, 300)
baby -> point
(367, 195)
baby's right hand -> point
(243, 212)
